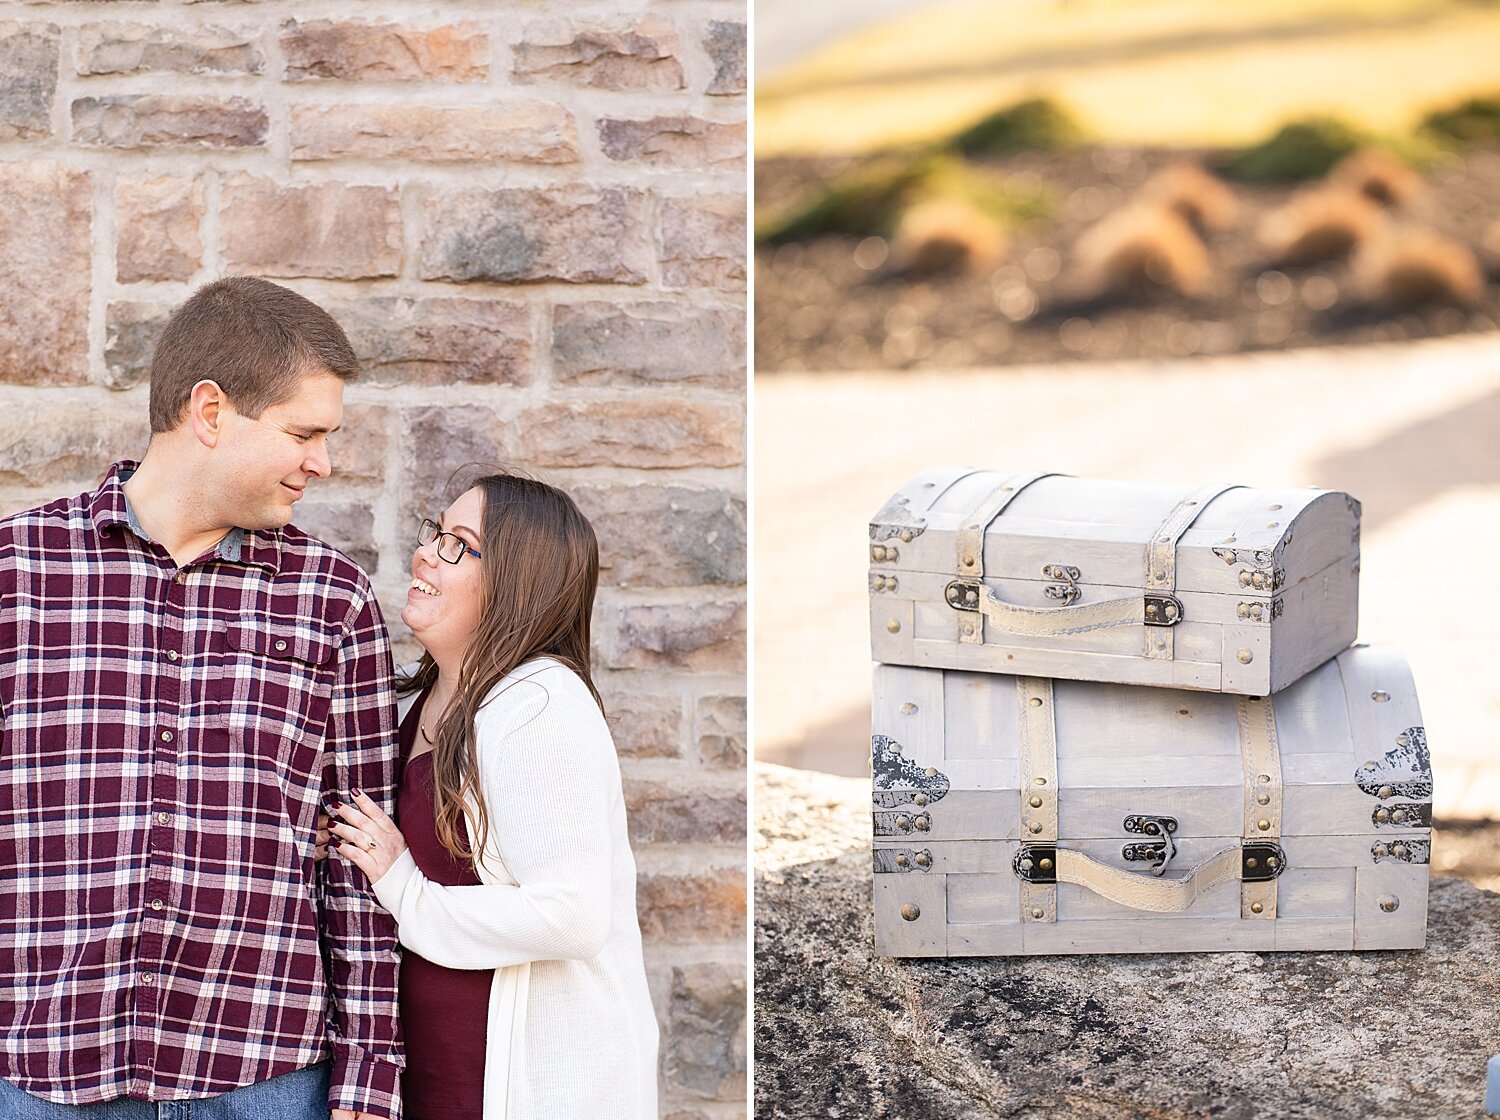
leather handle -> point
(1144, 892)
(1077, 618)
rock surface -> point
(841, 1032)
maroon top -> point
(166, 733)
(444, 1011)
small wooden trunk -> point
(1022, 815)
(1224, 589)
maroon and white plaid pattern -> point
(166, 737)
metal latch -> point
(1162, 849)
(1068, 590)
(1162, 610)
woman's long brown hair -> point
(541, 569)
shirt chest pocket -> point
(272, 689)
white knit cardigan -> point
(571, 1033)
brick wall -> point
(530, 219)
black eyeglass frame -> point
(429, 531)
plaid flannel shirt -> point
(167, 733)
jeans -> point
(300, 1095)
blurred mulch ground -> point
(825, 304)
(1468, 849)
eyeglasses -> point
(450, 549)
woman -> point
(523, 990)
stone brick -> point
(643, 726)
(725, 43)
(692, 907)
(674, 141)
(721, 732)
(348, 526)
(703, 242)
(633, 433)
(28, 78)
(705, 1038)
(358, 449)
(385, 52)
(576, 234)
(703, 637)
(666, 536)
(166, 120)
(69, 445)
(522, 131)
(45, 267)
(157, 219)
(115, 48)
(440, 441)
(402, 341)
(608, 53)
(600, 343)
(130, 334)
(676, 813)
(330, 230)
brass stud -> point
(1036, 826)
(924, 860)
(1274, 506)
(971, 597)
(1244, 579)
(1272, 861)
(1378, 850)
(1171, 611)
(1263, 799)
(1256, 908)
(1161, 643)
(1038, 912)
(1389, 902)
(1251, 861)
(920, 799)
(877, 552)
(1026, 865)
(1150, 610)
(1039, 781)
(968, 561)
(1382, 815)
(1046, 864)
(1273, 524)
(890, 583)
(1036, 701)
(968, 627)
(924, 822)
(1371, 766)
(1158, 574)
(1263, 824)
(1264, 779)
(1244, 657)
(906, 535)
(1380, 696)
(930, 772)
(910, 913)
(1385, 791)
(1399, 816)
(1036, 802)
(1400, 851)
(902, 860)
(903, 822)
(894, 625)
(1402, 741)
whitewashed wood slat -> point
(1283, 562)
(1355, 801)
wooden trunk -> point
(1222, 589)
(1298, 821)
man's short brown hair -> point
(256, 340)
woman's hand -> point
(320, 845)
(365, 836)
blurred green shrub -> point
(869, 199)
(1475, 121)
(1300, 150)
(1038, 124)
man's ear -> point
(208, 409)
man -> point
(183, 676)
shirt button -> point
(280, 647)
(147, 978)
(156, 904)
(166, 736)
(163, 818)
(171, 655)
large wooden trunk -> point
(1224, 589)
(1023, 815)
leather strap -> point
(1260, 755)
(971, 541)
(1145, 892)
(1038, 734)
(1161, 560)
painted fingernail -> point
(336, 842)
(359, 793)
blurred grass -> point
(1205, 73)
